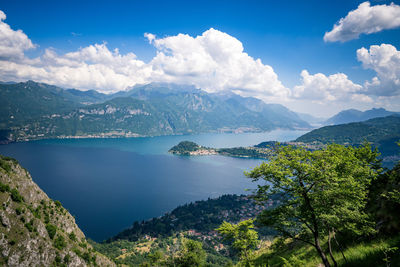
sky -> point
(316, 57)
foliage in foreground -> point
(243, 236)
(360, 253)
(325, 192)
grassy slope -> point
(362, 254)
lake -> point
(107, 184)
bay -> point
(107, 184)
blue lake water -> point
(110, 183)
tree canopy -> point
(323, 191)
(243, 236)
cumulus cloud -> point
(12, 43)
(384, 59)
(320, 88)
(92, 67)
(213, 61)
(365, 19)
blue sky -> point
(285, 35)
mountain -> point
(22, 102)
(382, 132)
(314, 121)
(35, 230)
(354, 115)
(34, 110)
(87, 97)
(156, 90)
(9, 82)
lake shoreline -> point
(108, 183)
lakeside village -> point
(200, 227)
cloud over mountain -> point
(366, 19)
(213, 61)
(321, 88)
(384, 59)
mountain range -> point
(354, 115)
(31, 110)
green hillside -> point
(383, 133)
(34, 111)
(34, 229)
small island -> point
(188, 148)
(261, 151)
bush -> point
(19, 211)
(51, 230)
(16, 196)
(59, 242)
(4, 187)
(67, 259)
(29, 226)
(5, 165)
(72, 236)
(58, 203)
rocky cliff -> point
(34, 229)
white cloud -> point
(384, 59)
(12, 43)
(92, 67)
(320, 88)
(151, 37)
(365, 19)
(213, 61)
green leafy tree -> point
(155, 257)
(191, 254)
(323, 191)
(384, 201)
(243, 236)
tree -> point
(155, 257)
(191, 254)
(323, 191)
(243, 235)
(384, 200)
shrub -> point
(51, 230)
(29, 226)
(19, 210)
(58, 203)
(72, 236)
(4, 187)
(15, 196)
(5, 165)
(59, 242)
(67, 259)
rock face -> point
(35, 230)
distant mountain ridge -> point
(354, 115)
(382, 132)
(33, 110)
